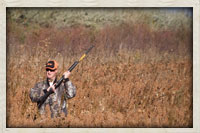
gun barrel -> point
(89, 49)
(82, 57)
(73, 66)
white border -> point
(103, 3)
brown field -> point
(136, 76)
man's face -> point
(51, 74)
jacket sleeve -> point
(35, 93)
(70, 89)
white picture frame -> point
(195, 4)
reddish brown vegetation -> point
(134, 77)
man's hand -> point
(67, 74)
(53, 88)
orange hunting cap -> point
(52, 65)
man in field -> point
(58, 97)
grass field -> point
(137, 75)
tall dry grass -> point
(134, 77)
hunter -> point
(58, 97)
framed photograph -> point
(91, 66)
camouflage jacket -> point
(56, 101)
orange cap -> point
(52, 65)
